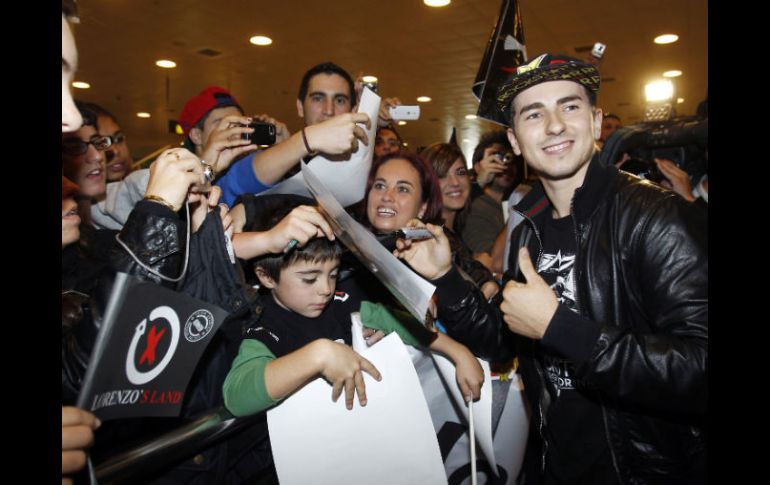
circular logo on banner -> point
(154, 337)
(198, 325)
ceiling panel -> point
(413, 49)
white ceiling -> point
(413, 49)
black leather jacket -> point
(641, 334)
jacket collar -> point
(595, 189)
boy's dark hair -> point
(488, 139)
(316, 250)
(326, 68)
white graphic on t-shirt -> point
(562, 266)
(558, 270)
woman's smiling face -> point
(395, 197)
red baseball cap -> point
(199, 106)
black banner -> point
(149, 343)
(506, 50)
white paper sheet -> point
(390, 441)
(345, 179)
(413, 291)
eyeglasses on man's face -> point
(76, 146)
(117, 138)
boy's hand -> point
(372, 335)
(303, 223)
(470, 375)
(342, 367)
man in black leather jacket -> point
(606, 301)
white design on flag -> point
(134, 375)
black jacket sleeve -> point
(471, 320)
(156, 236)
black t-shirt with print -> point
(577, 449)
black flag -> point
(149, 343)
(453, 138)
(505, 51)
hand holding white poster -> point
(345, 179)
(390, 441)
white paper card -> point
(390, 441)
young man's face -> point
(304, 287)
(86, 170)
(118, 159)
(328, 95)
(70, 116)
(386, 142)
(609, 126)
(554, 128)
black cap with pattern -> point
(544, 68)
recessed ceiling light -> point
(165, 63)
(672, 73)
(437, 3)
(261, 40)
(143, 115)
(369, 79)
(659, 91)
(680, 100)
(666, 39)
(424, 99)
(406, 144)
(401, 123)
(470, 117)
(80, 85)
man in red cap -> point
(608, 311)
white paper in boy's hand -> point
(390, 440)
(345, 179)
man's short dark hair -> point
(487, 140)
(319, 249)
(612, 115)
(326, 68)
(89, 112)
(100, 111)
